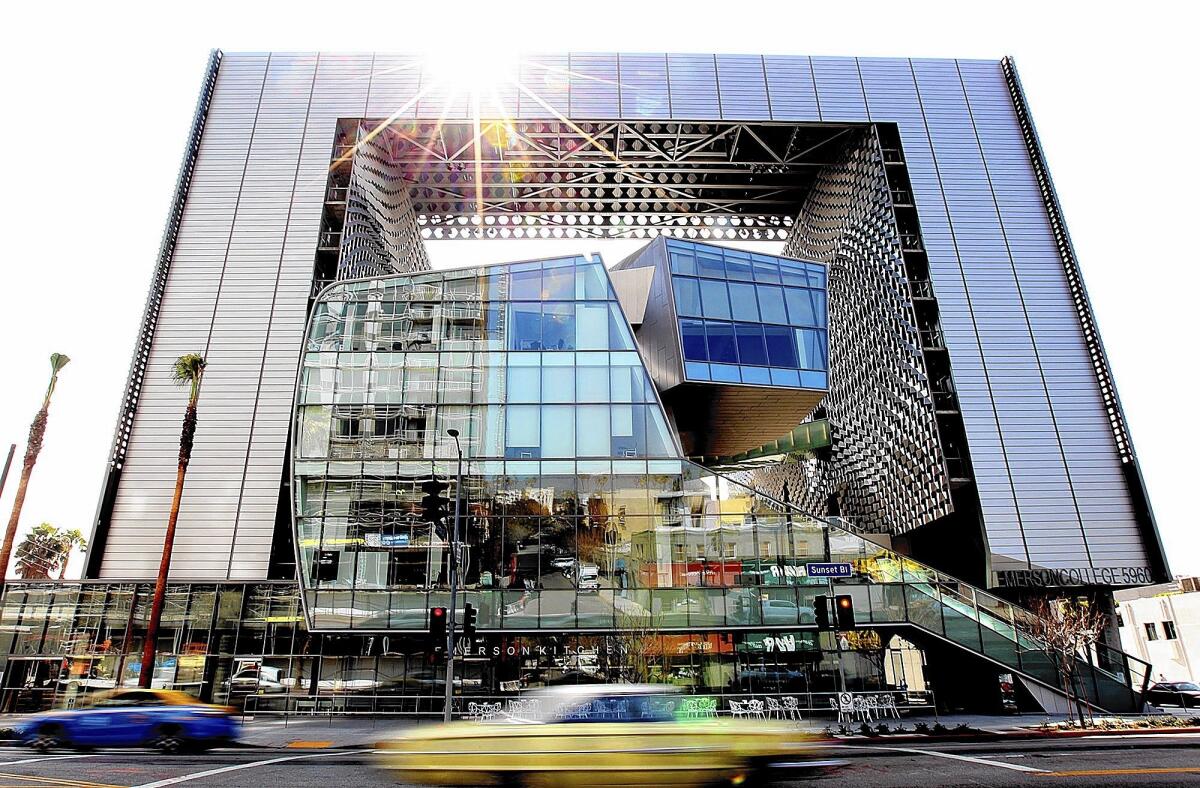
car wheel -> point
(48, 737)
(169, 741)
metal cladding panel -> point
(693, 81)
(643, 83)
(742, 83)
(790, 87)
(546, 86)
(594, 81)
(839, 89)
(394, 86)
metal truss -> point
(607, 179)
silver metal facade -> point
(1049, 472)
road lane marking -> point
(308, 745)
(1016, 767)
(1118, 772)
(59, 781)
(225, 769)
(51, 758)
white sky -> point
(97, 99)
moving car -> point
(589, 735)
(587, 577)
(165, 719)
(1174, 693)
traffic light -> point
(437, 626)
(821, 611)
(845, 611)
(434, 505)
(470, 614)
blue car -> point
(165, 719)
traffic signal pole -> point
(451, 624)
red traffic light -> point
(439, 612)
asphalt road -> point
(1132, 760)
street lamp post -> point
(453, 577)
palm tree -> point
(37, 432)
(46, 549)
(188, 371)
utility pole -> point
(453, 577)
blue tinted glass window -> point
(526, 285)
(494, 321)
(810, 347)
(558, 431)
(558, 326)
(781, 346)
(710, 263)
(694, 348)
(628, 430)
(591, 326)
(683, 263)
(745, 305)
(558, 283)
(725, 373)
(799, 306)
(721, 344)
(525, 327)
(814, 380)
(524, 384)
(592, 431)
(591, 283)
(658, 440)
(766, 269)
(819, 308)
(757, 375)
(751, 347)
(737, 266)
(785, 377)
(770, 304)
(687, 296)
(619, 337)
(591, 384)
(715, 298)
(794, 273)
(816, 276)
(522, 431)
(696, 371)
(558, 384)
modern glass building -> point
(904, 376)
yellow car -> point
(600, 736)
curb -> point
(991, 736)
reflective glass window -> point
(715, 298)
(628, 431)
(743, 301)
(524, 383)
(687, 296)
(781, 346)
(751, 347)
(766, 269)
(794, 272)
(692, 332)
(558, 326)
(710, 263)
(799, 307)
(526, 285)
(810, 347)
(696, 371)
(558, 383)
(591, 384)
(558, 283)
(523, 431)
(591, 326)
(725, 373)
(820, 315)
(770, 304)
(737, 266)
(721, 345)
(591, 283)
(785, 377)
(525, 326)
(682, 262)
(756, 375)
(558, 431)
(619, 336)
(592, 431)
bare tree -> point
(1068, 629)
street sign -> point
(829, 570)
